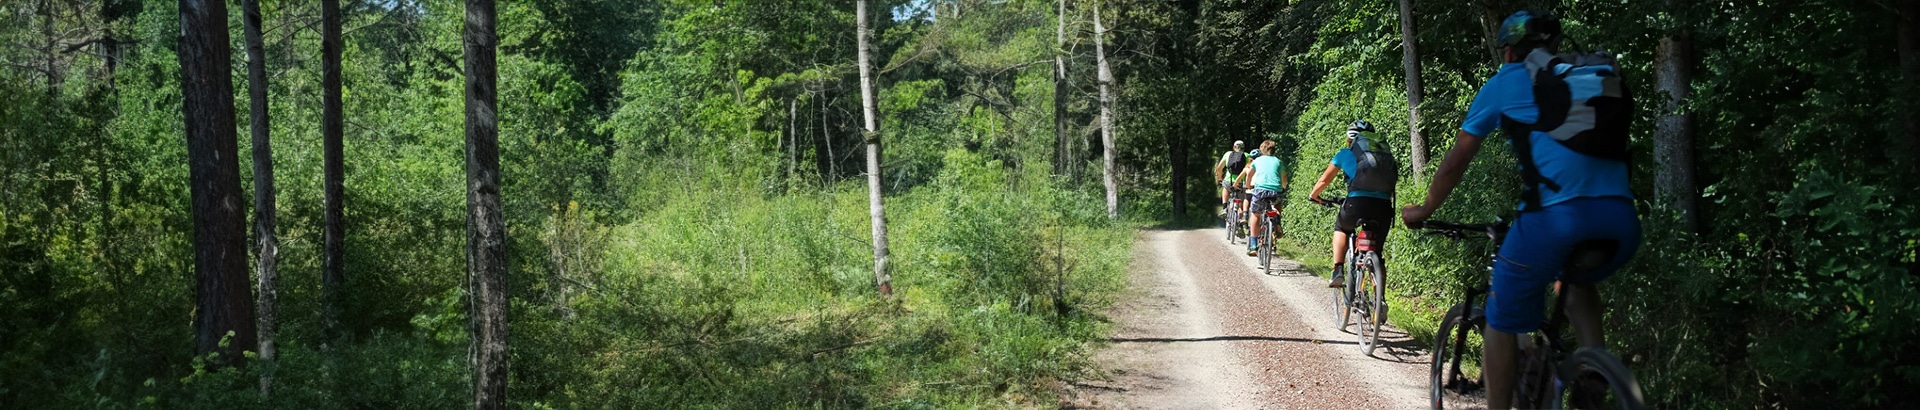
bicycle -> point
(1365, 290)
(1269, 220)
(1234, 221)
(1543, 371)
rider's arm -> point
(1217, 167)
(1246, 177)
(1325, 178)
(1452, 168)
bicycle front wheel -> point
(1595, 379)
(1454, 375)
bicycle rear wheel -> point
(1374, 284)
(1364, 304)
(1454, 373)
(1226, 222)
(1595, 379)
(1266, 245)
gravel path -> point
(1206, 329)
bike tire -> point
(1450, 348)
(1623, 390)
(1342, 306)
(1368, 330)
(1377, 301)
(1266, 245)
(1226, 222)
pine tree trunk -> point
(1060, 91)
(486, 226)
(875, 206)
(1673, 136)
(263, 192)
(1106, 117)
(223, 296)
(1416, 90)
(333, 276)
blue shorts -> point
(1536, 250)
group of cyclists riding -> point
(1576, 196)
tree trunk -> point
(875, 206)
(793, 137)
(486, 226)
(1909, 53)
(263, 200)
(223, 299)
(1106, 116)
(333, 275)
(1060, 92)
(1673, 137)
(1416, 90)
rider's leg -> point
(1499, 368)
(1339, 248)
(1583, 310)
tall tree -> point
(1106, 116)
(1673, 136)
(223, 306)
(1416, 91)
(876, 208)
(263, 201)
(333, 274)
(1909, 54)
(486, 225)
(1060, 91)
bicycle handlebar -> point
(1330, 202)
(1456, 230)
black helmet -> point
(1530, 28)
(1360, 126)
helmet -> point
(1529, 28)
(1239, 143)
(1360, 126)
(1251, 154)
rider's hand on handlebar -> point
(1415, 215)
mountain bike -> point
(1269, 220)
(1550, 376)
(1235, 222)
(1365, 292)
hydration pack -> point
(1374, 168)
(1584, 105)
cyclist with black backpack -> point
(1371, 174)
(1566, 116)
(1228, 169)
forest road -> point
(1204, 328)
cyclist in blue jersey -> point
(1376, 207)
(1591, 205)
(1264, 177)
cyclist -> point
(1592, 202)
(1264, 176)
(1372, 205)
(1228, 168)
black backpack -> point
(1236, 161)
(1374, 168)
(1585, 106)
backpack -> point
(1585, 106)
(1236, 161)
(1375, 169)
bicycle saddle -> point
(1591, 254)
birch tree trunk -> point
(486, 225)
(263, 192)
(875, 207)
(1416, 90)
(333, 275)
(223, 308)
(1106, 116)
(1909, 53)
(1060, 92)
(1673, 136)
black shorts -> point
(1377, 212)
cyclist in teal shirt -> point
(1373, 206)
(1265, 176)
(1591, 204)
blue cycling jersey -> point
(1510, 93)
(1346, 162)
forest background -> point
(687, 216)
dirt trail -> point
(1205, 329)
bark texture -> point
(1673, 136)
(1416, 90)
(333, 275)
(1060, 91)
(486, 225)
(876, 208)
(1106, 120)
(223, 297)
(263, 192)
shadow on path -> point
(1225, 339)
